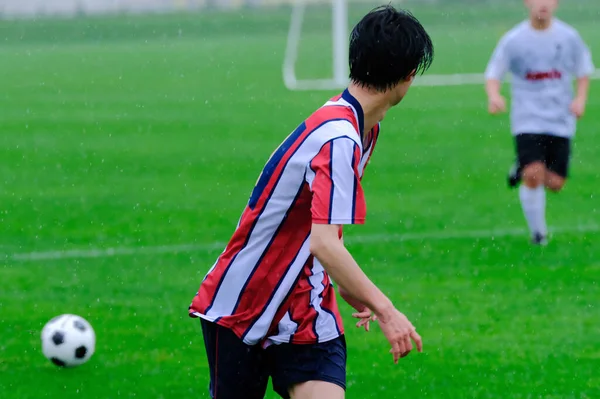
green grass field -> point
(147, 133)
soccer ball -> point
(68, 340)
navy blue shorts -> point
(238, 370)
(293, 364)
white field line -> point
(213, 246)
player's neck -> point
(540, 24)
(374, 105)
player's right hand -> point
(496, 104)
(399, 331)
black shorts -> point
(553, 151)
(238, 370)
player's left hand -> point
(578, 107)
(366, 316)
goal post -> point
(339, 33)
(339, 27)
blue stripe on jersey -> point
(289, 313)
(331, 178)
(272, 164)
(310, 304)
(354, 188)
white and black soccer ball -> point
(68, 340)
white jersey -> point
(542, 64)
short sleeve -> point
(337, 195)
(499, 61)
(584, 66)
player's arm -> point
(338, 199)
(492, 89)
(362, 309)
(580, 101)
(341, 266)
(494, 75)
(584, 68)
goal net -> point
(464, 32)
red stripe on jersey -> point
(360, 210)
(302, 311)
(322, 184)
(374, 135)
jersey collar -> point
(357, 108)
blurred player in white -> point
(543, 54)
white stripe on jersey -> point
(310, 176)
(363, 162)
(326, 325)
(343, 200)
(286, 328)
(273, 214)
(261, 327)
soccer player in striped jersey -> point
(267, 306)
(543, 55)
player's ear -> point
(411, 75)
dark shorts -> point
(238, 370)
(294, 364)
(553, 151)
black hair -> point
(386, 46)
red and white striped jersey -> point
(266, 283)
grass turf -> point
(148, 131)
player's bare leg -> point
(317, 390)
(534, 174)
(554, 182)
(532, 194)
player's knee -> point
(317, 390)
(555, 183)
(534, 174)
